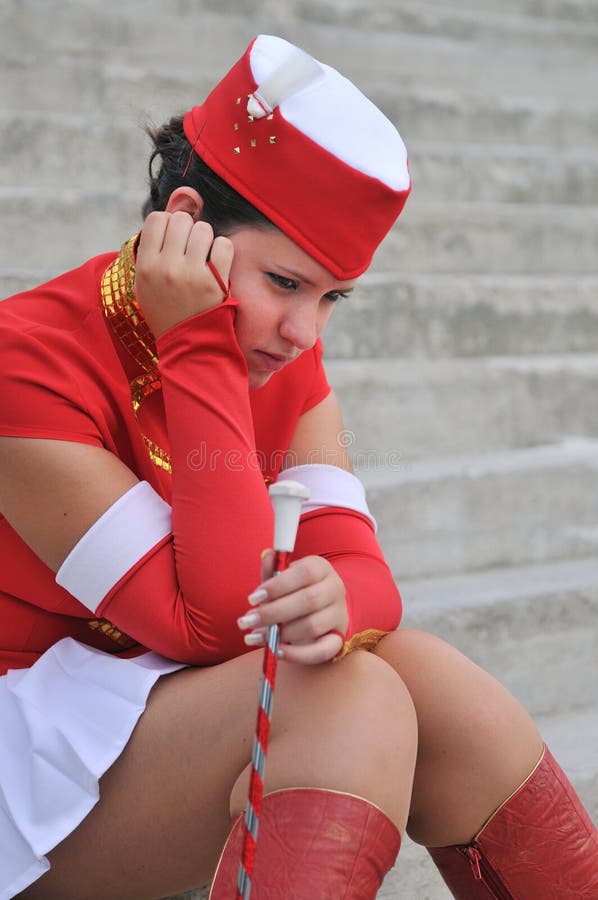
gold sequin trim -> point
(143, 386)
(112, 632)
(121, 309)
(159, 457)
(363, 640)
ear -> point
(185, 199)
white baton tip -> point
(287, 498)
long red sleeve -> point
(184, 598)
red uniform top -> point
(67, 374)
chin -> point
(259, 379)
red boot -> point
(539, 845)
(312, 844)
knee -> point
(373, 682)
(439, 677)
(348, 726)
(426, 663)
(381, 706)
(405, 645)
(360, 695)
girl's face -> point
(285, 299)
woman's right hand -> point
(173, 279)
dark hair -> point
(223, 208)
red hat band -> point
(333, 211)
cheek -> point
(253, 322)
(324, 313)
(255, 305)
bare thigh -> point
(476, 742)
(164, 808)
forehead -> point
(269, 246)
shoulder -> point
(51, 326)
(60, 304)
(57, 355)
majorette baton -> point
(287, 497)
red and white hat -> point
(308, 149)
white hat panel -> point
(338, 117)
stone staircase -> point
(467, 360)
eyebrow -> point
(306, 280)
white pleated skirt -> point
(63, 722)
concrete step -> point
(492, 239)
(72, 151)
(454, 407)
(210, 40)
(471, 238)
(518, 621)
(572, 738)
(65, 228)
(475, 26)
(468, 172)
(404, 316)
(560, 10)
(443, 516)
(142, 91)
(472, 112)
(110, 150)
(405, 17)
(95, 87)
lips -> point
(272, 362)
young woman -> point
(147, 399)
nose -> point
(300, 325)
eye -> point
(287, 284)
(335, 296)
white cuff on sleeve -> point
(330, 486)
(128, 530)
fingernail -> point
(266, 552)
(280, 653)
(257, 596)
(248, 620)
(254, 639)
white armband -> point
(330, 486)
(123, 535)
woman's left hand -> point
(307, 601)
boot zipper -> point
(483, 872)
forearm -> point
(221, 517)
(182, 574)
